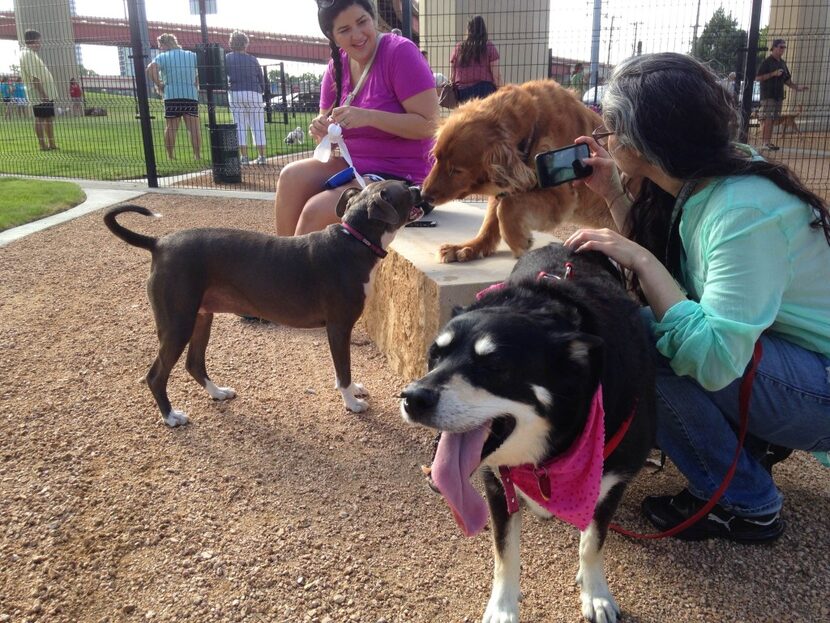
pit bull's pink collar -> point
(380, 252)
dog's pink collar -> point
(568, 485)
(379, 251)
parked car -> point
(588, 96)
(305, 101)
(756, 95)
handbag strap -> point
(353, 93)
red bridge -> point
(116, 32)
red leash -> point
(743, 405)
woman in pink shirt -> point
(387, 126)
(475, 63)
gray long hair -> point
(671, 108)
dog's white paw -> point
(350, 397)
(220, 393)
(176, 418)
(599, 607)
(501, 610)
(356, 405)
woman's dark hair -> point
(671, 109)
(326, 17)
(474, 47)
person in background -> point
(774, 75)
(6, 94)
(578, 80)
(174, 74)
(387, 124)
(41, 88)
(475, 63)
(728, 250)
(19, 100)
(245, 88)
(76, 95)
(440, 79)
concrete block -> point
(414, 294)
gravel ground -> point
(279, 505)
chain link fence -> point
(114, 125)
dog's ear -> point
(343, 202)
(381, 210)
(507, 169)
(457, 310)
(587, 352)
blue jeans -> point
(697, 428)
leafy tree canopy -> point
(721, 42)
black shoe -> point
(772, 146)
(666, 511)
(773, 454)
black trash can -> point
(224, 151)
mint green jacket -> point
(752, 263)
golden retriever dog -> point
(488, 147)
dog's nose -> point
(418, 400)
(415, 192)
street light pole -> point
(211, 106)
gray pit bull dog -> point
(320, 279)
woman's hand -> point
(319, 127)
(351, 116)
(659, 287)
(625, 252)
(605, 178)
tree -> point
(721, 42)
(87, 72)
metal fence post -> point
(749, 67)
(139, 56)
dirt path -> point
(279, 506)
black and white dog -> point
(517, 383)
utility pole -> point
(610, 38)
(694, 32)
(634, 46)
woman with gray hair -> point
(728, 250)
(245, 88)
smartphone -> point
(562, 165)
(421, 223)
(342, 177)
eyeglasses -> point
(601, 134)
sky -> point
(659, 24)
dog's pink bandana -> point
(567, 486)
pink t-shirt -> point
(475, 72)
(399, 72)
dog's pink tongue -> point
(457, 457)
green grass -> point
(111, 147)
(24, 201)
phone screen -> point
(562, 165)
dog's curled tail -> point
(130, 237)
